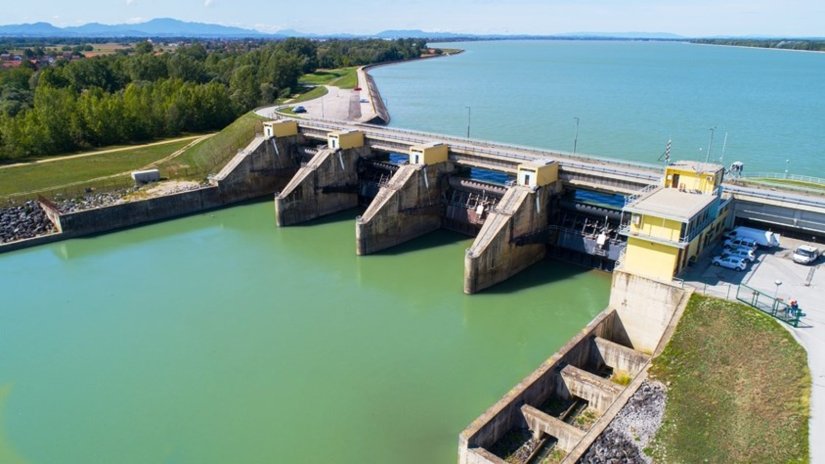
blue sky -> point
(686, 17)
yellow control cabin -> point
(538, 173)
(284, 128)
(345, 140)
(429, 154)
(670, 225)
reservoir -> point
(220, 338)
(630, 98)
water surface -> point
(219, 338)
(630, 98)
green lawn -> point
(35, 177)
(312, 94)
(346, 78)
(209, 156)
(738, 388)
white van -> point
(762, 238)
(805, 254)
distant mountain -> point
(623, 35)
(418, 34)
(30, 30)
(161, 27)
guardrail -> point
(785, 176)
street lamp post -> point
(710, 144)
(469, 114)
(576, 138)
(776, 293)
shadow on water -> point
(435, 239)
(544, 272)
(343, 216)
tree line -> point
(145, 94)
(785, 44)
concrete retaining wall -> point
(259, 170)
(409, 206)
(646, 307)
(327, 184)
(494, 257)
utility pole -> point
(469, 113)
(576, 138)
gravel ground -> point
(25, 221)
(633, 428)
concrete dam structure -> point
(522, 204)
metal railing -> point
(769, 305)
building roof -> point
(697, 166)
(537, 163)
(671, 203)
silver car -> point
(730, 262)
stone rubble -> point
(624, 440)
(27, 220)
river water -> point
(219, 338)
(630, 98)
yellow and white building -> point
(669, 226)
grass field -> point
(40, 176)
(345, 78)
(209, 156)
(312, 94)
(738, 388)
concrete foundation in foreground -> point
(612, 343)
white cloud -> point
(208, 3)
(130, 2)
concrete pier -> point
(327, 184)
(502, 248)
(409, 206)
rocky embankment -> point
(28, 219)
(23, 221)
(633, 428)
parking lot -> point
(805, 283)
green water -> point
(630, 98)
(219, 338)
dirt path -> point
(102, 152)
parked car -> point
(730, 262)
(741, 242)
(805, 254)
(763, 238)
(299, 109)
(744, 253)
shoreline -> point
(379, 107)
(755, 48)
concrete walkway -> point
(347, 105)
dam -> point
(572, 207)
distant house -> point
(5, 57)
(11, 64)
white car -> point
(805, 254)
(730, 262)
(744, 253)
(740, 242)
